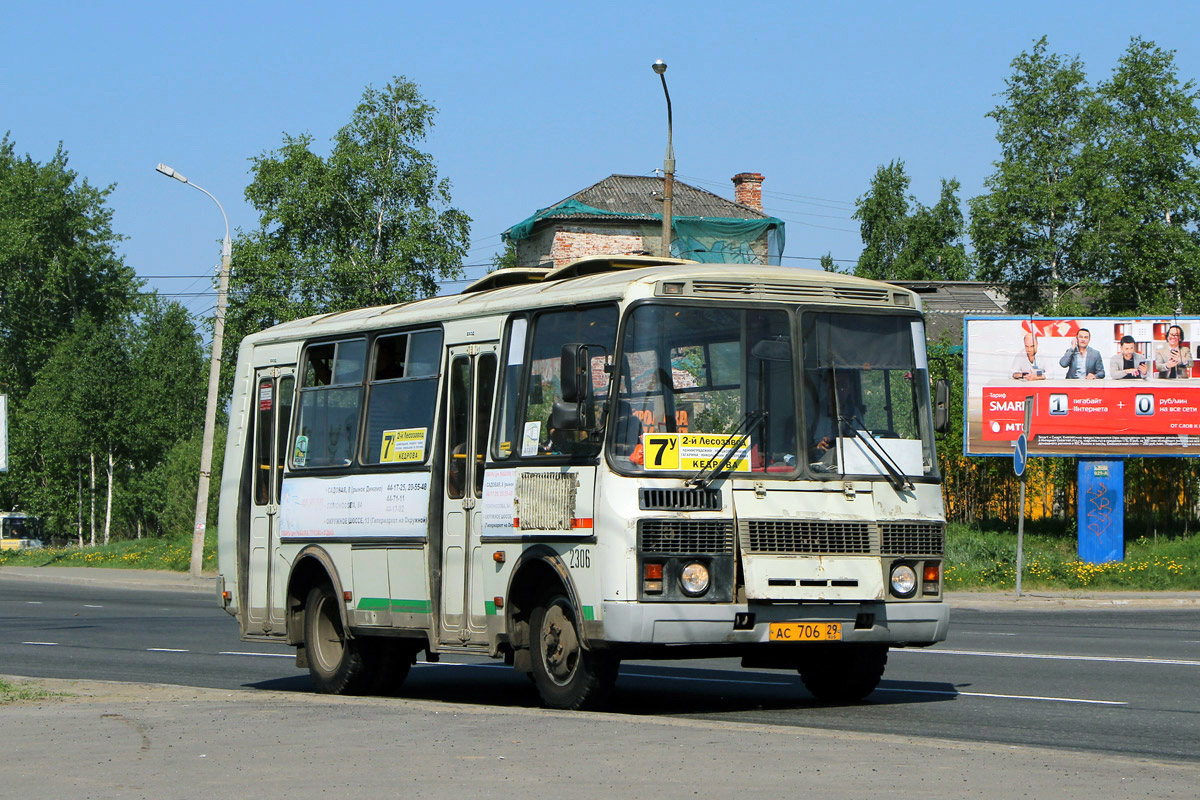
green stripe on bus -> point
(412, 606)
(589, 612)
(489, 607)
(384, 604)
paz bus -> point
(621, 458)
(19, 531)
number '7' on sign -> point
(662, 451)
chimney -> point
(747, 189)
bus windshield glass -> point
(690, 377)
(866, 395)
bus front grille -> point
(806, 536)
(913, 538)
(679, 500)
(685, 536)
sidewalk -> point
(1036, 600)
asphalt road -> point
(1079, 677)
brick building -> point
(622, 215)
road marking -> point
(85, 605)
(264, 655)
(1006, 696)
(33, 602)
(1178, 662)
(43, 644)
(165, 650)
(982, 633)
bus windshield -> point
(689, 376)
(697, 374)
(866, 395)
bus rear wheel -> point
(335, 661)
(845, 674)
(567, 675)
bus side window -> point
(401, 398)
(330, 401)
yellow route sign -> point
(693, 451)
(403, 445)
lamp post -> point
(214, 376)
(660, 69)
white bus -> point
(19, 531)
(622, 458)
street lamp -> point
(660, 68)
(214, 376)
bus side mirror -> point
(573, 373)
(941, 406)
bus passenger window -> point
(401, 398)
(330, 398)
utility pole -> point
(214, 377)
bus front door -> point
(468, 415)
(274, 389)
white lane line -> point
(33, 602)
(1177, 662)
(165, 650)
(43, 644)
(85, 605)
(1007, 696)
(264, 655)
(981, 633)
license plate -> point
(806, 631)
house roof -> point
(642, 195)
(639, 197)
(945, 303)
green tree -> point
(1143, 209)
(882, 214)
(926, 244)
(934, 248)
(369, 224)
(1028, 229)
(57, 261)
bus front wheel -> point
(335, 661)
(567, 674)
(845, 674)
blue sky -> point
(536, 100)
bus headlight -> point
(694, 579)
(904, 580)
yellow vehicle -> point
(19, 531)
(620, 458)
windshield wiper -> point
(738, 437)
(896, 475)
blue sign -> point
(1020, 454)
(1101, 510)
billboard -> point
(1101, 386)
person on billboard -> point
(1173, 359)
(1025, 366)
(1128, 363)
(1081, 361)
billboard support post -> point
(1020, 457)
(1101, 513)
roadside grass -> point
(14, 692)
(161, 553)
(987, 560)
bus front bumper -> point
(913, 623)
